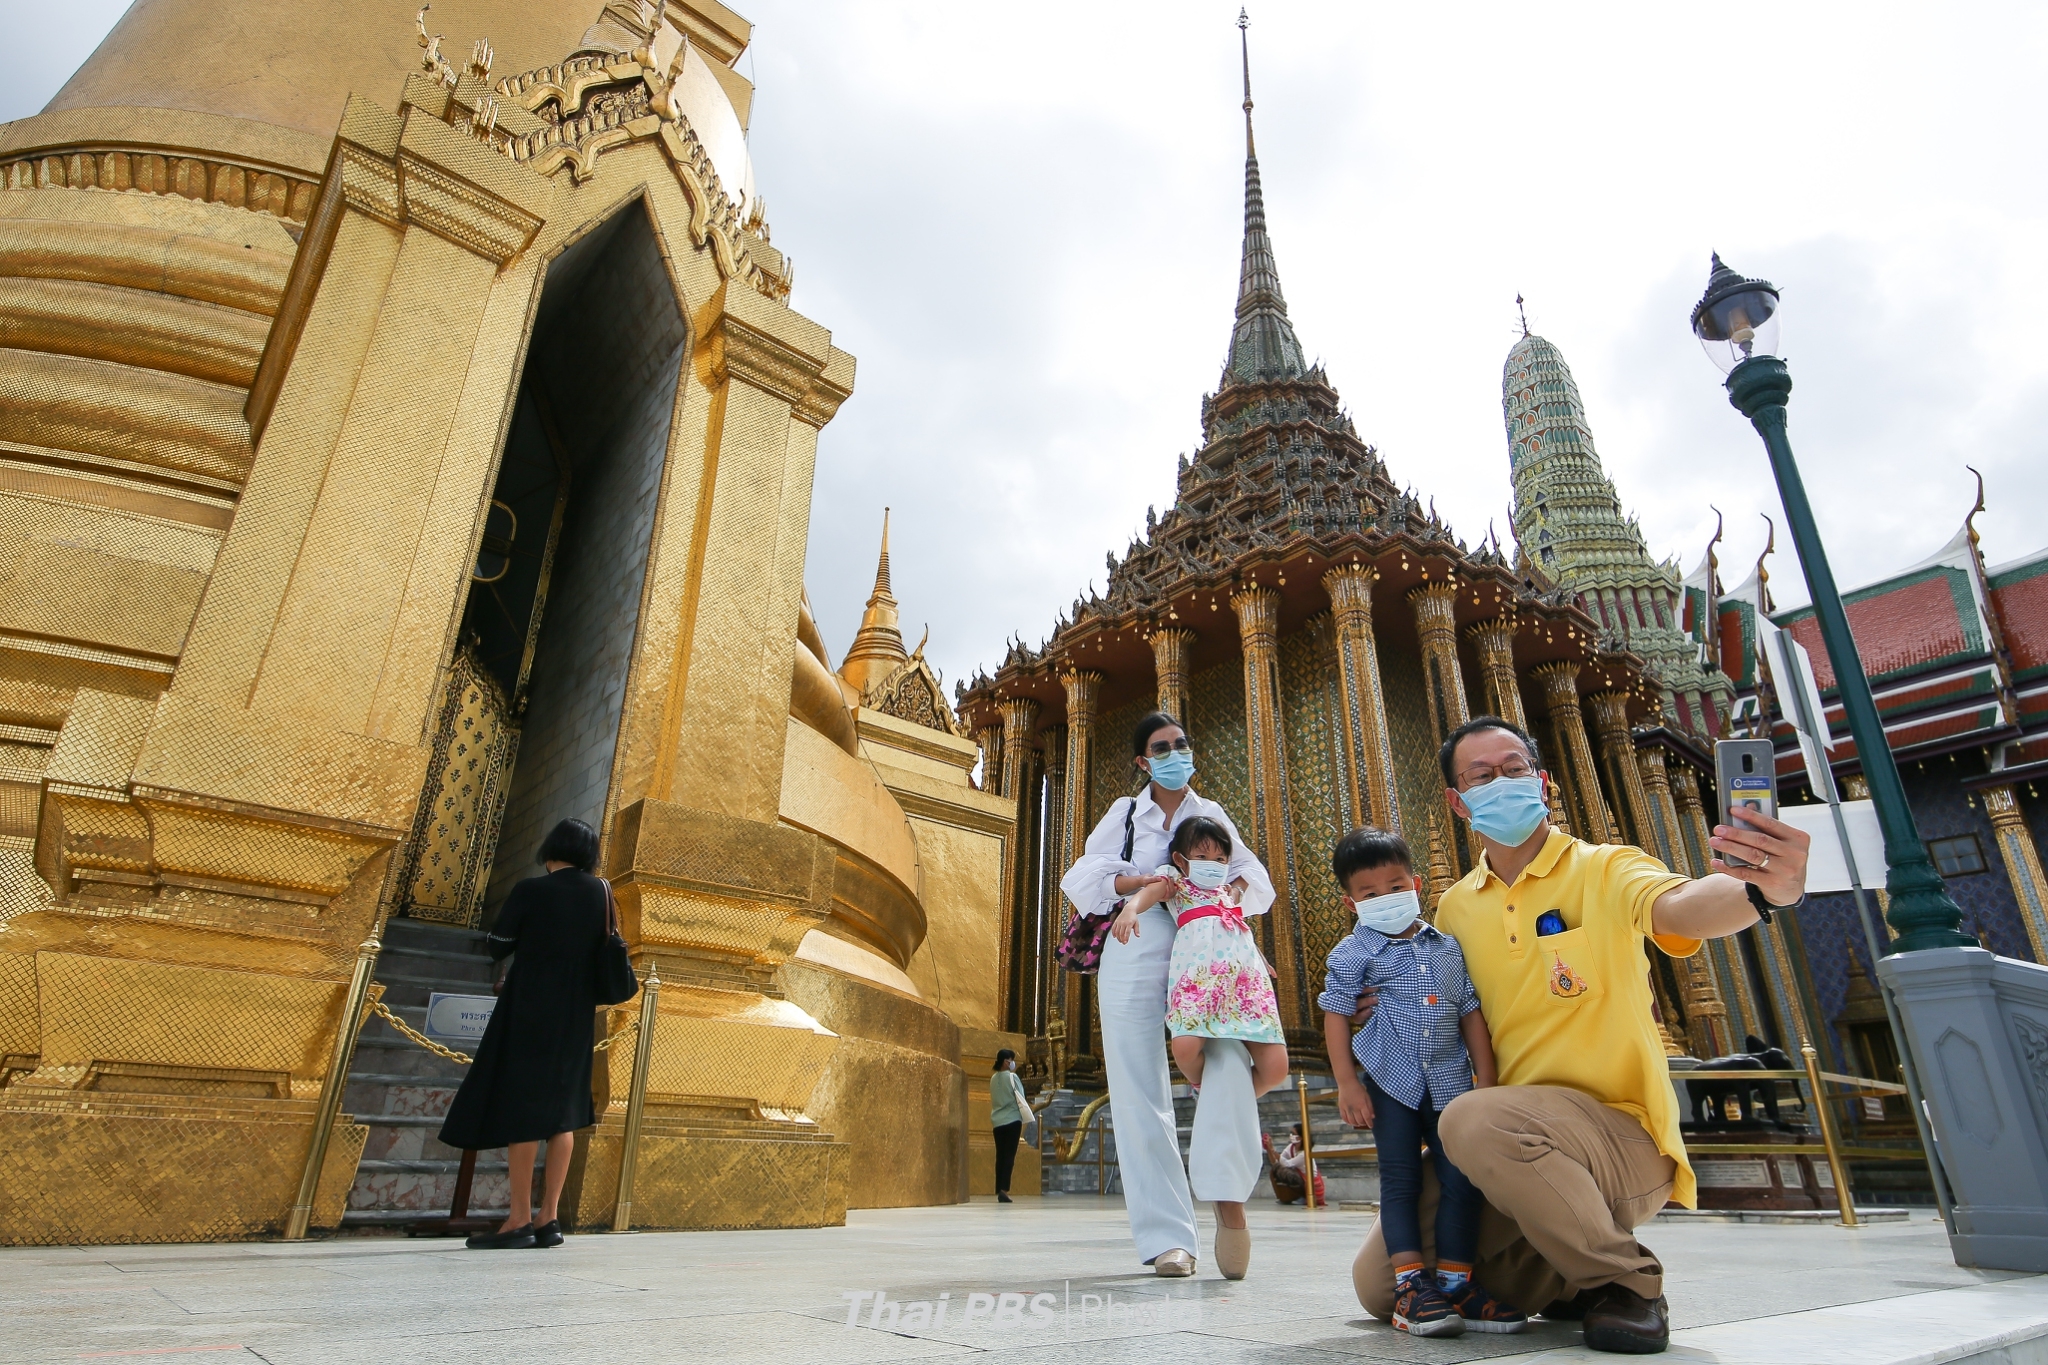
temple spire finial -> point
(1244, 44)
(878, 647)
(1263, 346)
(882, 592)
(1523, 313)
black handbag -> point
(616, 981)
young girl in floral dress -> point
(1218, 985)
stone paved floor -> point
(782, 1296)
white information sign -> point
(461, 1017)
(1826, 869)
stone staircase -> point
(401, 1091)
(1343, 1180)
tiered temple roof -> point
(1956, 651)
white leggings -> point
(1224, 1156)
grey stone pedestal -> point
(1978, 1027)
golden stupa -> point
(405, 442)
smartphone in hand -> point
(1746, 773)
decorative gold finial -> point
(878, 646)
(483, 120)
(480, 57)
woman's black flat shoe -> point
(548, 1234)
(514, 1240)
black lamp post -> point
(1737, 321)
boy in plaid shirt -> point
(1421, 1049)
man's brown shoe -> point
(1625, 1322)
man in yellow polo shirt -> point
(1578, 1144)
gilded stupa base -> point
(710, 1165)
(893, 1089)
(89, 1168)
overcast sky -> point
(1024, 222)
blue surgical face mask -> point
(1207, 875)
(1389, 914)
(1173, 771)
(1507, 810)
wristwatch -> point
(1764, 907)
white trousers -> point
(1224, 1155)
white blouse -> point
(1091, 883)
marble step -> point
(389, 1191)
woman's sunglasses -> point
(1160, 748)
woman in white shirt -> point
(1121, 856)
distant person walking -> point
(1009, 1109)
(531, 1080)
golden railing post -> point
(636, 1098)
(1308, 1147)
(336, 1083)
(1844, 1200)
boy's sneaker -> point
(1484, 1313)
(1421, 1310)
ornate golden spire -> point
(878, 647)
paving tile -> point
(781, 1296)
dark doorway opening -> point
(531, 722)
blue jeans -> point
(1399, 1133)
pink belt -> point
(1231, 915)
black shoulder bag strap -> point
(1130, 834)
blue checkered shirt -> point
(1411, 1045)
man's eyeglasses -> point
(1479, 774)
(1160, 748)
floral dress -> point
(1217, 982)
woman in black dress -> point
(531, 1079)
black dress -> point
(531, 1077)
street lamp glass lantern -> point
(1736, 318)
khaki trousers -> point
(1567, 1181)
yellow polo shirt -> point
(1573, 1009)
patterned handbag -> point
(1080, 950)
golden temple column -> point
(2022, 863)
(1369, 776)
(1258, 625)
(990, 737)
(1020, 722)
(1436, 626)
(1083, 687)
(1052, 846)
(1706, 1012)
(1170, 645)
(1617, 748)
(1574, 759)
(1494, 642)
